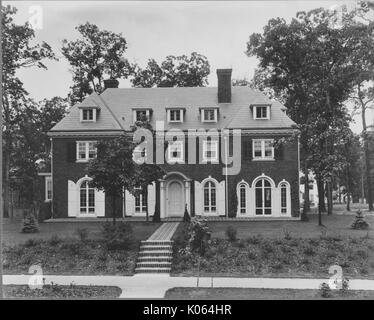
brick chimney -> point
(111, 83)
(224, 85)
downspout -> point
(227, 180)
(298, 174)
(52, 177)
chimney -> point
(110, 83)
(224, 85)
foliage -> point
(82, 234)
(30, 222)
(117, 237)
(359, 222)
(325, 290)
(96, 55)
(231, 233)
(180, 71)
(196, 236)
(186, 216)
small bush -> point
(118, 236)
(309, 251)
(325, 290)
(198, 235)
(231, 233)
(360, 223)
(287, 234)
(345, 286)
(254, 239)
(29, 223)
(82, 234)
(54, 240)
(186, 217)
(31, 243)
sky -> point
(154, 29)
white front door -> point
(175, 199)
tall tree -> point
(17, 53)
(180, 71)
(96, 55)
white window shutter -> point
(198, 198)
(221, 196)
(73, 197)
(129, 203)
(100, 203)
(151, 198)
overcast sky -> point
(219, 30)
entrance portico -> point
(175, 195)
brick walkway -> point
(165, 232)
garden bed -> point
(283, 257)
(62, 292)
(253, 294)
(69, 256)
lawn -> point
(254, 294)
(68, 254)
(62, 292)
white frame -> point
(48, 179)
(208, 120)
(210, 211)
(147, 114)
(267, 112)
(171, 145)
(141, 200)
(288, 198)
(263, 207)
(93, 115)
(205, 149)
(86, 159)
(87, 213)
(242, 185)
(263, 157)
(181, 113)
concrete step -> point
(154, 253)
(157, 242)
(155, 247)
(154, 259)
(152, 270)
(153, 265)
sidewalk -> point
(156, 285)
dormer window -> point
(175, 115)
(261, 112)
(209, 114)
(88, 114)
(140, 113)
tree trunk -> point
(114, 209)
(321, 195)
(329, 197)
(6, 182)
(348, 193)
(306, 207)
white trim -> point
(87, 143)
(180, 149)
(181, 114)
(288, 198)
(81, 111)
(147, 114)
(262, 118)
(48, 179)
(210, 109)
(263, 157)
(183, 192)
(247, 199)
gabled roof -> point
(116, 109)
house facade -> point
(227, 151)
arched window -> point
(263, 197)
(210, 203)
(141, 201)
(284, 204)
(87, 198)
(242, 198)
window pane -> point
(82, 150)
(209, 114)
(268, 197)
(283, 199)
(258, 198)
(257, 148)
(91, 150)
(268, 148)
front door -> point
(175, 199)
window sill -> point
(82, 161)
(88, 121)
(175, 161)
(171, 121)
(263, 159)
(213, 161)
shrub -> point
(254, 239)
(31, 243)
(325, 290)
(29, 223)
(231, 233)
(118, 236)
(186, 217)
(198, 235)
(309, 251)
(359, 223)
(287, 234)
(82, 234)
(345, 286)
(54, 240)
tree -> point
(98, 54)
(115, 170)
(17, 53)
(180, 71)
(307, 63)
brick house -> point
(265, 185)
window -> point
(263, 149)
(175, 115)
(210, 150)
(175, 152)
(87, 198)
(48, 188)
(210, 197)
(141, 201)
(140, 114)
(86, 150)
(283, 198)
(88, 115)
(209, 115)
(261, 112)
(263, 197)
(242, 198)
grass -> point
(254, 294)
(11, 230)
(61, 292)
(282, 257)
